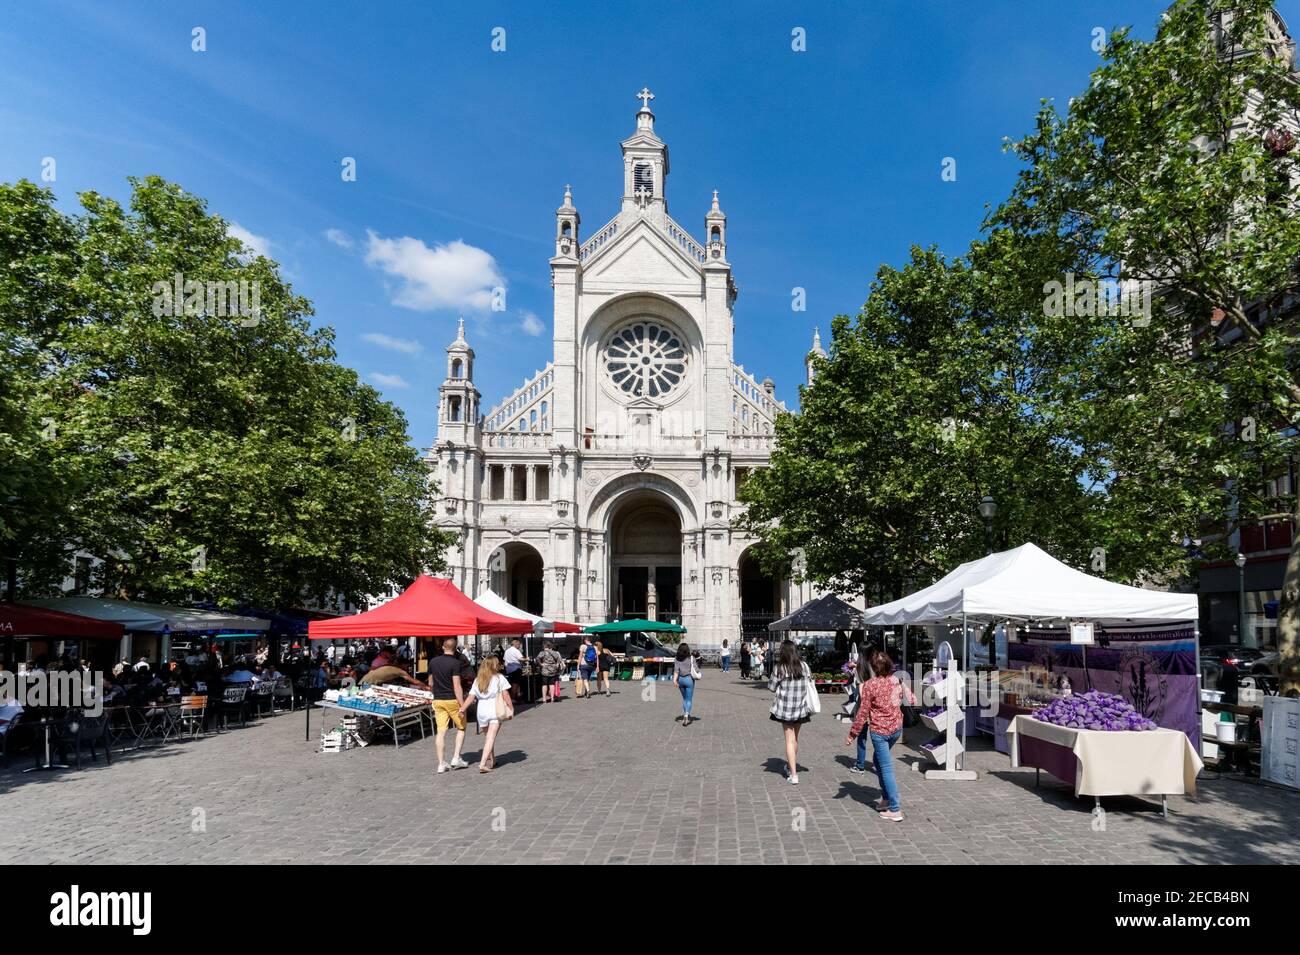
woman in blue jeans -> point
(881, 713)
(685, 673)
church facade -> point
(606, 486)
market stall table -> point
(396, 720)
(1159, 762)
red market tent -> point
(20, 620)
(430, 607)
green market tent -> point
(636, 626)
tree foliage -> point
(217, 453)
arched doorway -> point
(759, 596)
(645, 558)
(516, 574)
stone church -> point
(605, 487)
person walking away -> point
(549, 663)
(586, 666)
(880, 713)
(685, 673)
(605, 662)
(744, 659)
(514, 666)
(790, 682)
(725, 657)
(487, 689)
(448, 695)
(757, 660)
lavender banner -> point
(1154, 670)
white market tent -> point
(491, 600)
(151, 618)
(1027, 583)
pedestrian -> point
(448, 695)
(725, 656)
(685, 673)
(757, 659)
(881, 714)
(605, 663)
(489, 688)
(744, 660)
(791, 682)
(549, 663)
(514, 666)
(586, 666)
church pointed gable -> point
(641, 256)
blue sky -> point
(827, 161)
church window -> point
(643, 178)
(496, 482)
(542, 483)
(532, 420)
(523, 424)
(456, 368)
(544, 421)
(646, 360)
(566, 230)
(453, 408)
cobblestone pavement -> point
(608, 780)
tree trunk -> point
(1288, 615)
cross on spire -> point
(645, 96)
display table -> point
(1159, 762)
(399, 719)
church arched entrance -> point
(645, 558)
(759, 597)
(516, 575)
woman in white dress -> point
(489, 687)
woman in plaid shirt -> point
(790, 681)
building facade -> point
(606, 485)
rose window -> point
(646, 360)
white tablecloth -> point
(1124, 763)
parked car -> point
(1224, 664)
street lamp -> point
(988, 511)
(1240, 561)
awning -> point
(152, 618)
(1027, 583)
(430, 607)
(21, 620)
(491, 600)
(635, 626)
(827, 612)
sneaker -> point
(857, 770)
(458, 763)
(442, 768)
(881, 805)
(892, 816)
(794, 781)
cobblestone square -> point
(607, 780)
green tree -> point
(222, 452)
(925, 404)
(1177, 168)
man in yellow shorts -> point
(448, 693)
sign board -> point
(1081, 632)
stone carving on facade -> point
(642, 461)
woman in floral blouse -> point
(882, 713)
(790, 681)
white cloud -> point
(256, 244)
(454, 275)
(407, 346)
(388, 381)
(532, 324)
(339, 238)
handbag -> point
(814, 701)
(911, 716)
(504, 711)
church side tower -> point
(458, 469)
(816, 352)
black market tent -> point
(827, 612)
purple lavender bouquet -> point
(1094, 710)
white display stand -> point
(1280, 748)
(951, 689)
